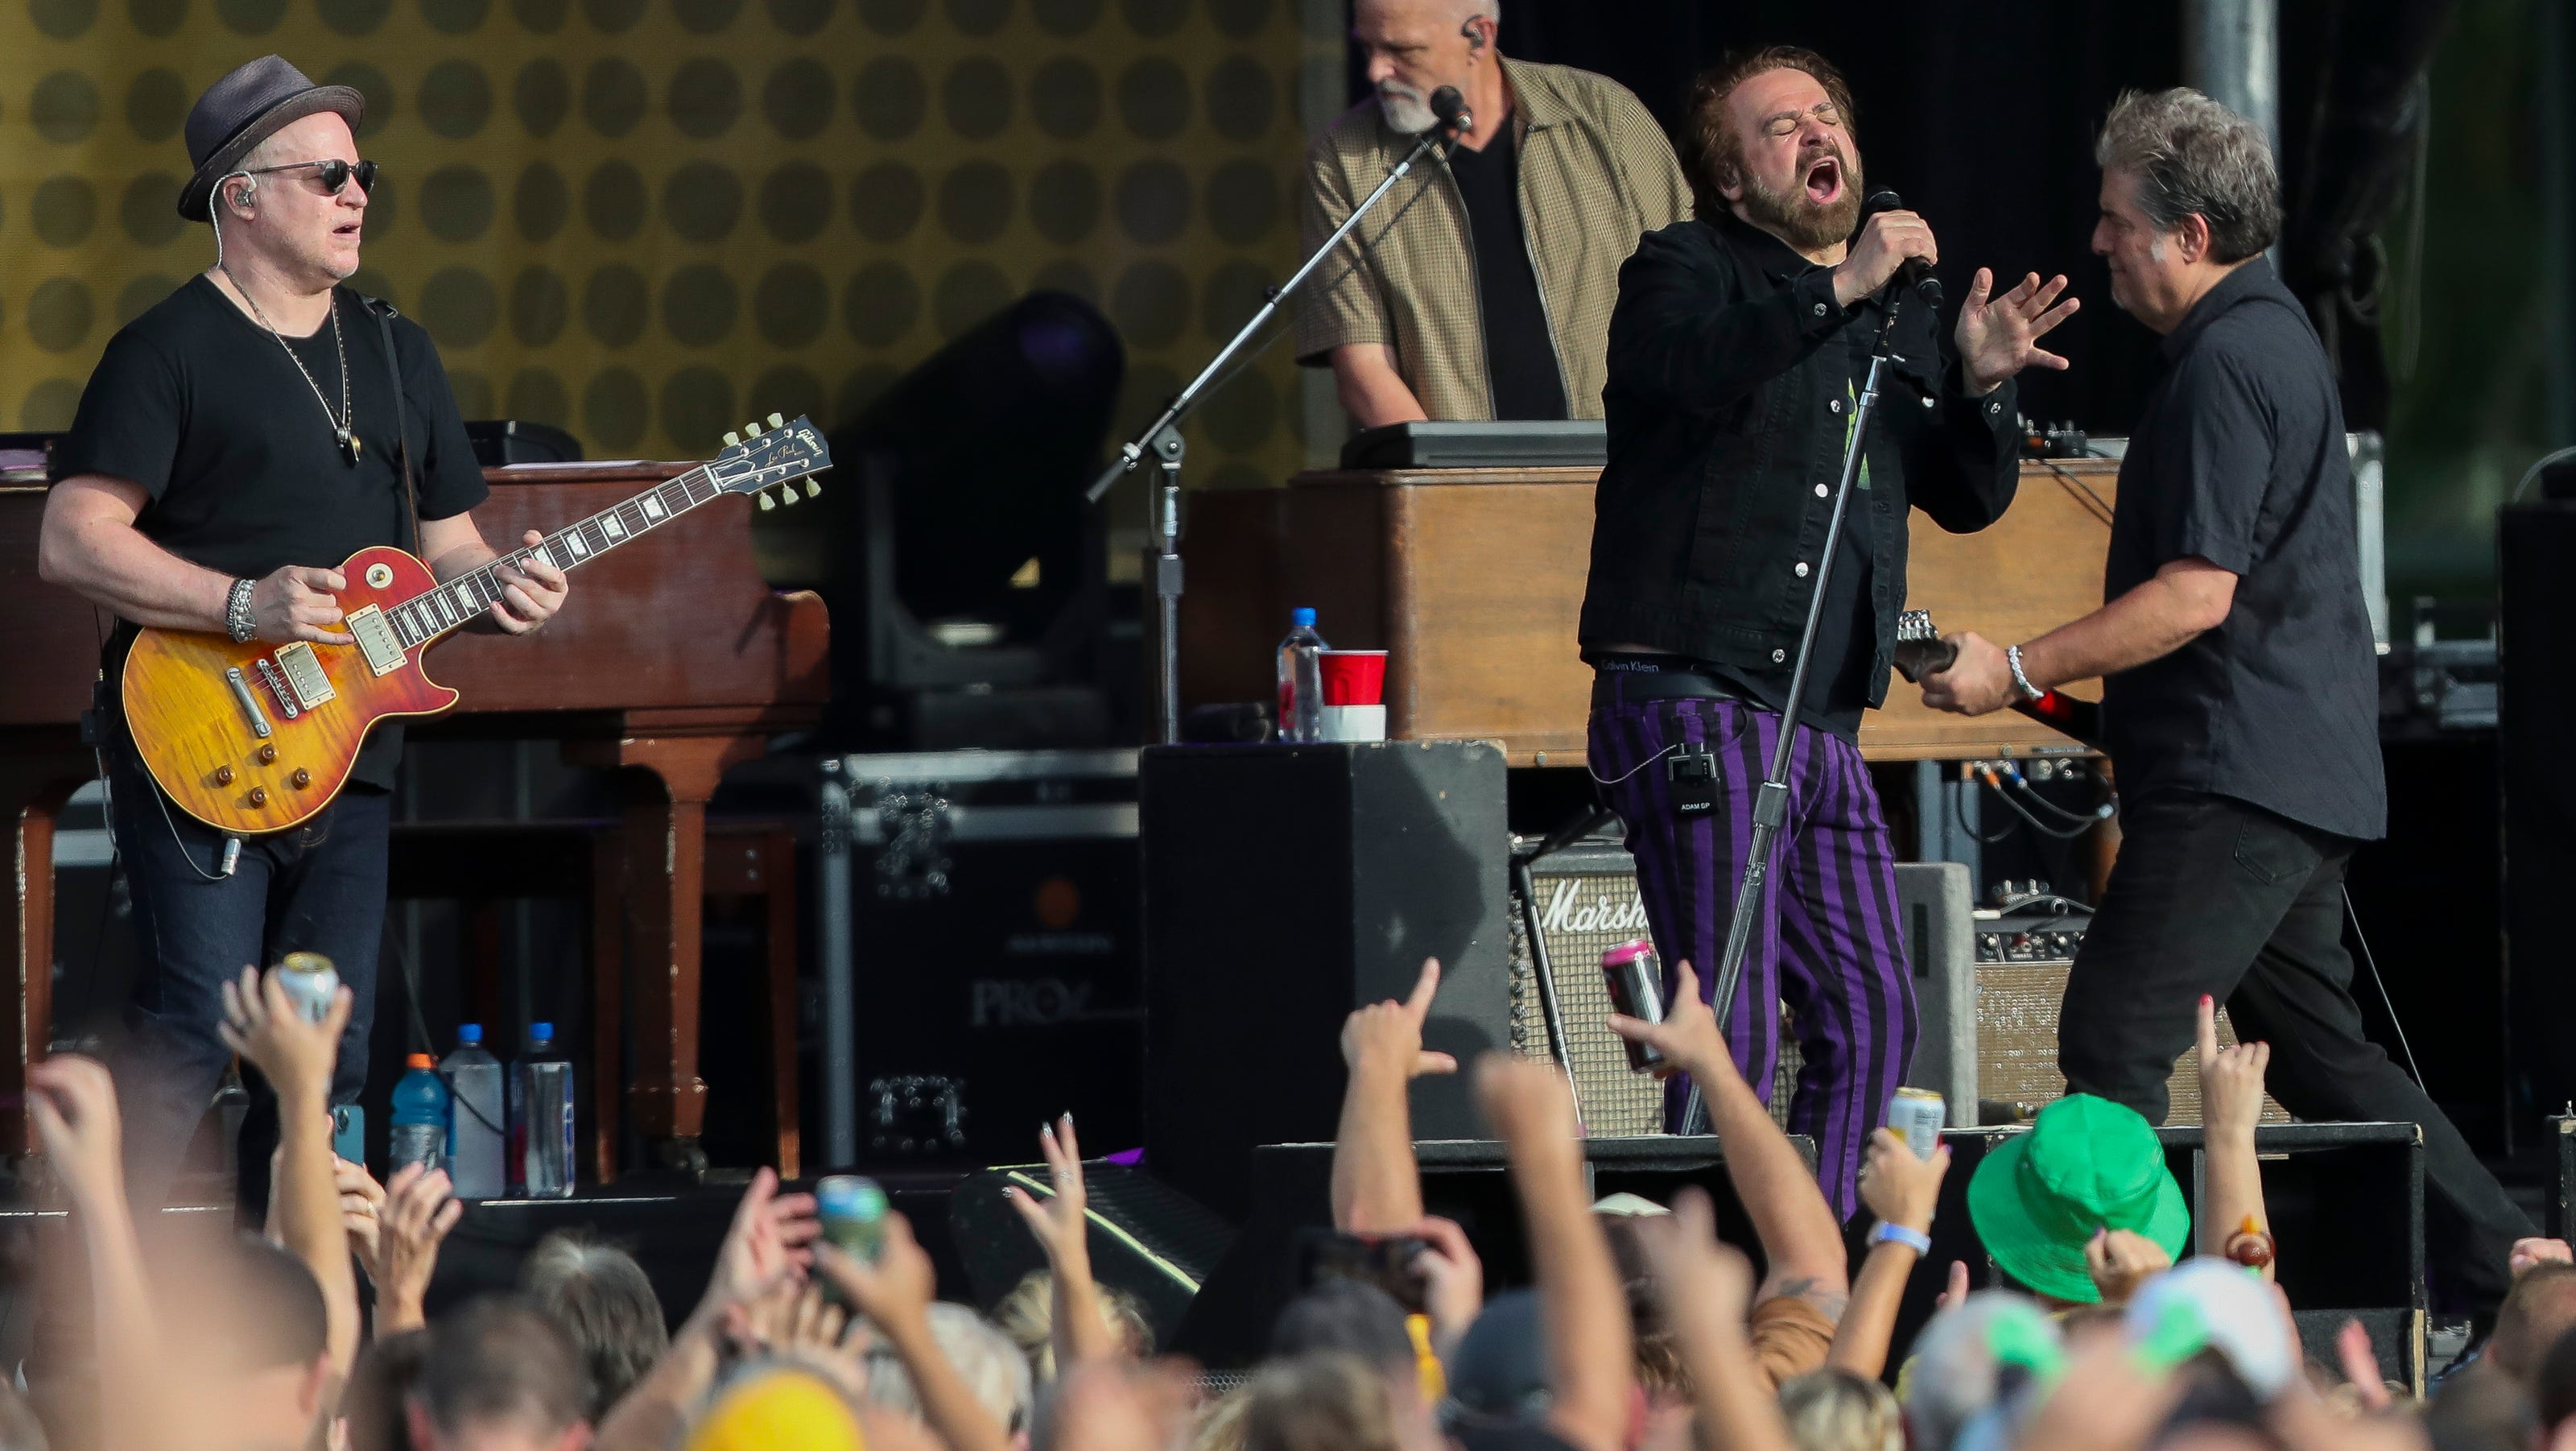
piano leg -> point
(33, 789)
(664, 841)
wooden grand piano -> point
(672, 661)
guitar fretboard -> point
(469, 596)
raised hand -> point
(1957, 1292)
(1898, 1187)
(261, 1023)
(73, 1102)
(1453, 1278)
(1688, 1035)
(1059, 1224)
(896, 1291)
(420, 1208)
(770, 1242)
(2528, 1253)
(2121, 1260)
(2231, 1079)
(362, 1210)
(1999, 336)
(1387, 1036)
(1527, 1101)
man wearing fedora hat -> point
(237, 441)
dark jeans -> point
(2211, 895)
(318, 888)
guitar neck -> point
(470, 596)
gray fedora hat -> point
(244, 109)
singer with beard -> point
(1738, 350)
(1481, 287)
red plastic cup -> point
(1354, 677)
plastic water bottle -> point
(474, 1132)
(417, 1132)
(1301, 679)
(541, 1119)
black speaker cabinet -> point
(2535, 701)
(1284, 886)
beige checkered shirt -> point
(1595, 175)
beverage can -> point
(310, 982)
(1635, 979)
(1918, 1114)
(853, 1210)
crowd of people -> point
(2122, 1323)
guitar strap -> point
(385, 316)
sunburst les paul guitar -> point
(257, 738)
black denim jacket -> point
(1728, 399)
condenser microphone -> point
(1450, 110)
(1915, 274)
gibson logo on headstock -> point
(1618, 909)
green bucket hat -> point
(2087, 1163)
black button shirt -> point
(2239, 459)
(1733, 373)
(1520, 355)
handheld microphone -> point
(1914, 273)
(1450, 109)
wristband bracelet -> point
(239, 622)
(2021, 682)
(1913, 1239)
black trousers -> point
(2212, 895)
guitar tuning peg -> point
(732, 438)
(777, 422)
(813, 488)
(787, 493)
(751, 429)
(766, 502)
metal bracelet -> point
(2012, 657)
(239, 622)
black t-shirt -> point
(2239, 459)
(1520, 356)
(195, 402)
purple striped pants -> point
(1831, 942)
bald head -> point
(2540, 1310)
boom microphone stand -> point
(1771, 801)
(1162, 437)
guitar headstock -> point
(780, 453)
(1919, 647)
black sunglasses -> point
(333, 174)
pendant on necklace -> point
(349, 447)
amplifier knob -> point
(223, 775)
(301, 779)
(268, 755)
(259, 796)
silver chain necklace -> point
(347, 418)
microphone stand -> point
(1771, 800)
(1162, 438)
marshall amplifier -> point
(1587, 903)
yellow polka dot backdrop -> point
(646, 220)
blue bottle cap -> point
(542, 1032)
(469, 1033)
(1302, 615)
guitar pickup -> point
(376, 639)
(304, 675)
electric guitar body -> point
(258, 738)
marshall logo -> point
(1617, 909)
